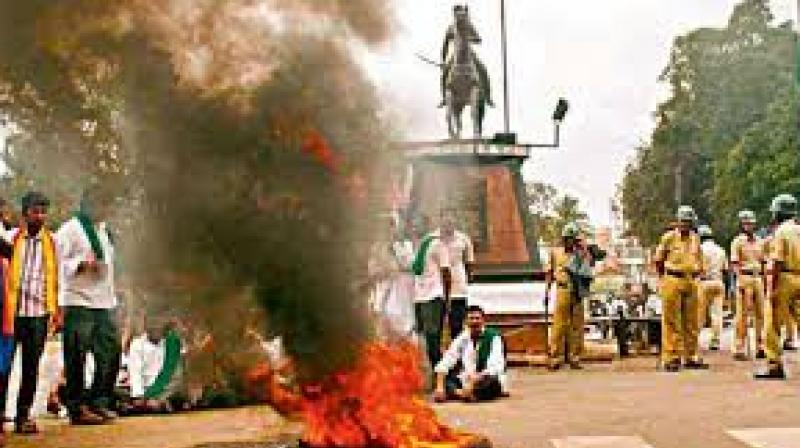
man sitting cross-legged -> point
(155, 369)
(473, 368)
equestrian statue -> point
(464, 81)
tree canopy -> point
(726, 139)
(551, 211)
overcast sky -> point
(603, 55)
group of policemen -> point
(691, 270)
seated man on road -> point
(155, 369)
(474, 366)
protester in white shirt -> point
(89, 302)
(393, 284)
(431, 265)
(147, 361)
(711, 286)
(474, 366)
(462, 258)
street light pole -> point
(504, 50)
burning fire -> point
(376, 404)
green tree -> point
(731, 88)
(551, 211)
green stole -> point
(485, 347)
(172, 358)
(91, 235)
(418, 266)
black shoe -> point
(575, 365)
(554, 366)
(773, 372)
(739, 357)
(672, 366)
(714, 347)
(696, 365)
(26, 427)
(84, 416)
(789, 346)
(760, 354)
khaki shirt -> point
(767, 248)
(748, 252)
(680, 254)
(785, 246)
(556, 264)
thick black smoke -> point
(243, 138)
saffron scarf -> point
(13, 278)
(172, 358)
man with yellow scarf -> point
(30, 305)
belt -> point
(790, 271)
(750, 272)
(680, 274)
(562, 285)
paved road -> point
(629, 405)
(621, 405)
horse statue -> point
(465, 81)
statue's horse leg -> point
(453, 128)
(476, 107)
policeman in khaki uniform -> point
(711, 287)
(789, 321)
(568, 317)
(784, 284)
(748, 260)
(680, 262)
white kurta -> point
(85, 289)
(145, 361)
(393, 294)
(464, 350)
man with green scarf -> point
(89, 302)
(474, 366)
(155, 368)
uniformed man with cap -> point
(748, 260)
(566, 340)
(711, 292)
(784, 283)
(679, 262)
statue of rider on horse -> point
(464, 80)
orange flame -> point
(317, 147)
(376, 404)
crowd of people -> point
(422, 274)
(59, 285)
(64, 281)
(762, 270)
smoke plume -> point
(242, 136)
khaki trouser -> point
(679, 318)
(791, 328)
(784, 301)
(749, 302)
(568, 321)
(711, 294)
